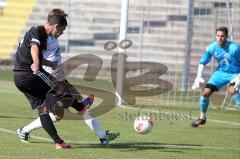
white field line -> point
(136, 145)
(32, 136)
(156, 111)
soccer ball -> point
(143, 124)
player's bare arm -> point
(35, 57)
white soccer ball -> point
(143, 124)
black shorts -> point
(32, 86)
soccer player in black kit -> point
(29, 60)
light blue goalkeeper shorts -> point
(220, 78)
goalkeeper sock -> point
(204, 102)
(236, 98)
(48, 126)
(202, 115)
(36, 124)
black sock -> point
(77, 105)
(48, 126)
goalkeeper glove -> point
(197, 82)
(199, 78)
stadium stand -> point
(13, 20)
(162, 23)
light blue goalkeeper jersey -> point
(228, 58)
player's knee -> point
(232, 90)
(42, 109)
(206, 92)
(59, 113)
(58, 117)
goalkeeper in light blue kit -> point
(227, 54)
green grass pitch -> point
(169, 139)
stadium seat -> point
(15, 16)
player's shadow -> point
(137, 146)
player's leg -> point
(204, 100)
(36, 124)
(203, 104)
(235, 96)
(76, 100)
(234, 90)
(82, 106)
(45, 121)
(104, 136)
(90, 120)
(37, 98)
(93, 124)
(217, 80)
(48, 126)
(58, 115)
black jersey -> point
(36, 35)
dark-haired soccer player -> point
(29, 60)
(53, 54)
(227, 54)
